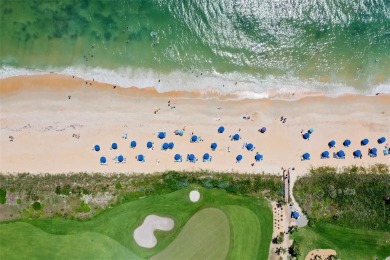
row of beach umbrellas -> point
(341, 154)
(363, 142)
(121, 158)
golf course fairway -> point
(219, 224)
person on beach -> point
(169, 103)
(228, 149)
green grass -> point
(117, 224)
(245, 239)
(348, 243)
(37, 244)
(205, 236)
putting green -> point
(245, 233)
(205, 236)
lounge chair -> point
(208, 160)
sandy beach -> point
(56, 120)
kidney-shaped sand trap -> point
(144, 234)
(194, 196)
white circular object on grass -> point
(194, 196)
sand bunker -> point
(144, 234)
(320, 253)
(194, 196)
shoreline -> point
(229, 86)
(38, 113)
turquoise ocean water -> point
(253, 47)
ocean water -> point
(250, 47)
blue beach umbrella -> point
(239, 157)
(140, 157)
(165, 146)
(263, 130)
(306, 136)
(206, 156)
(161, 135)
(103, 159)
(306, 156)
(177, 157)
(295, 214)
(325, 154)
(194, 138)
(381, 140)
(213, 146)
(249, 146)
(149, 144)
(171, 145)
(332, 144)
(357, 153)
(373, 151)
(258, 157)
(221, 129)
(114, 146)
(96, 148)
(236, 137)
(347, 143)
(341, 153)
(364, 141)
(133, 144)
(191, 157)
(120, 158)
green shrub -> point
(36, 205)
(85, 207)
(118, 185)
(3, 196)
(352, 196)
(18, 201)
(58, 190)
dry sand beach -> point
(56, 120)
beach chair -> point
(179, 160)
(115, 159)
(386, 151)
(208, 160)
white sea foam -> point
(238, 86)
